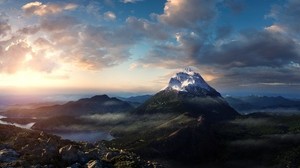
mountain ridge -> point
(93, 105)
(191, 95)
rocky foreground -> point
(27, 148)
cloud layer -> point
(40, 9)
(186, 32)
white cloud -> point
(275, 28)
(110, 15)
(40, 9)
(130, 1)
(188, 13)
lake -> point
(87, 136)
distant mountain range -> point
(245, 104)
(250, 104)
(94, 105)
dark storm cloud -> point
(223, 32)
(287, 15)
(253, 49)
(237, 6)
(258, 77)
(257, 59)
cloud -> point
(147, 29)
(58, 23)
(110, 15)
(94, 8)
(29, 30)
(275, 28)
(186, 48)
(98, 47)
(182, 28)
(188, 14)
(40, 9)
(130, 1)
(42, 43)
(223, 32)
(252, 59)
(12, 57)
(5, 28)
(286, 15)
(19, 55)
(235, 59)
(253, 49)
(236, 6)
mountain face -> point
(192, 83)
(136, 99)
(188, 93)
(96, 104)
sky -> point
(135, 46)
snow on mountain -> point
(187, 79)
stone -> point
(69, 153)
(94, 164)
(110, 155)
(8, 155)
(75, 165)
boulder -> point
(8, 155)
(69, 153)
(110, 155)
(94, 164)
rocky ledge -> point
(27, 148)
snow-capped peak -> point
(189, 71)
(188, 80)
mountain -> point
(96, 104)
(188, 93)
(262, 103)
(136, 100)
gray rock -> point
(94, 164)
(8, 155)
(75, 165)
(93, 154)
(110, 155)
(69, 153)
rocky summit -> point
(188, 93)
